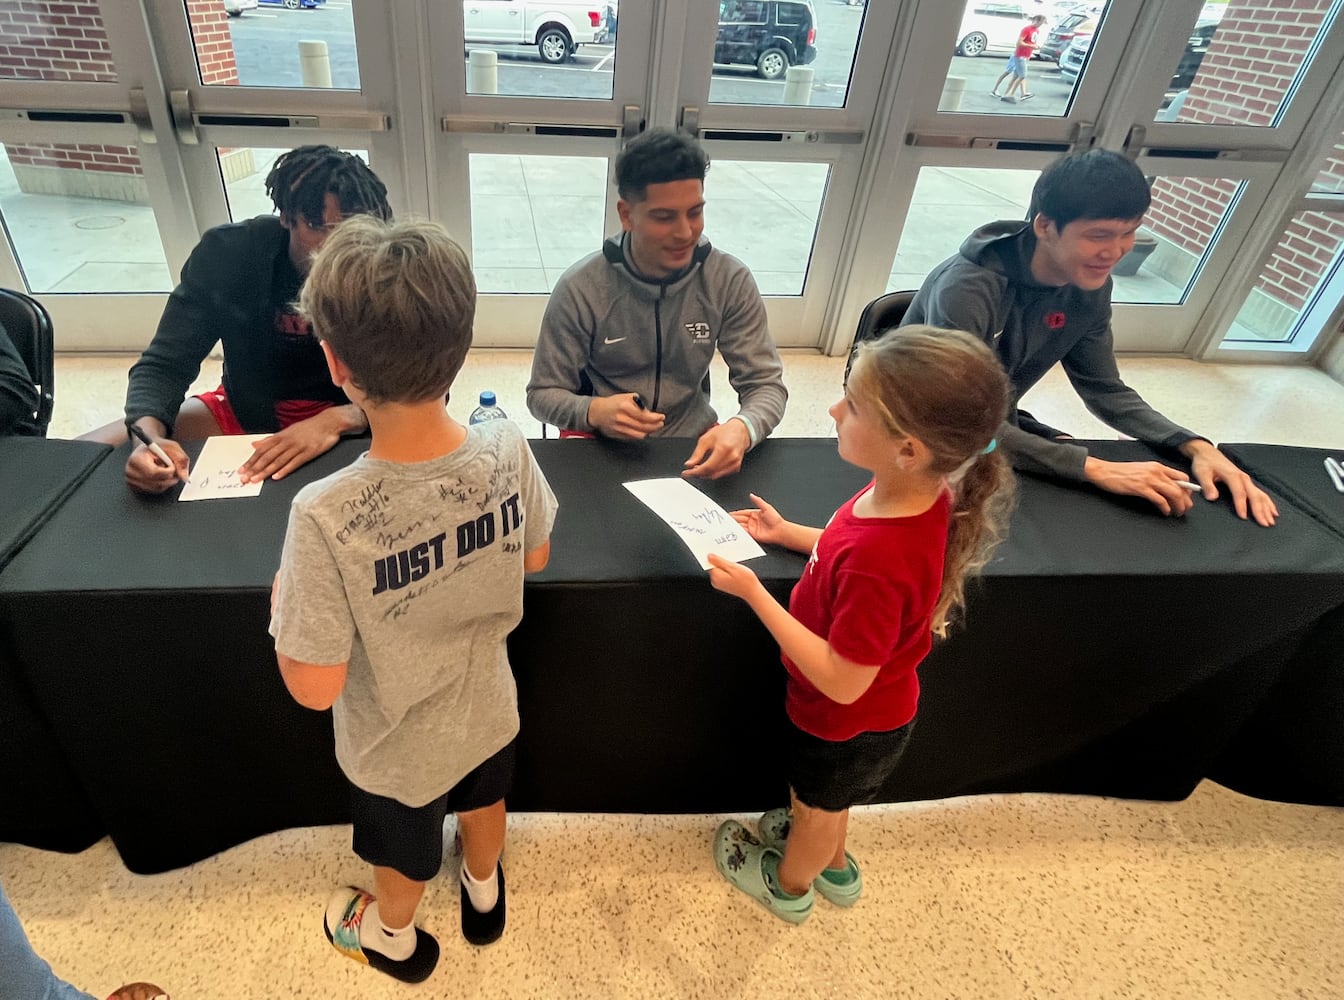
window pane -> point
(1331, 178)
(988, 37)
(268, 44)
(1303, 272)
(1242, 61)
(532, 217)
(740, 195)
(50, 40)
(949, 204)
(244, 171)
(786, 52)
(514, 53)
(1185, 218)
(78, 219)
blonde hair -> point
(396, 302)
(946, 389)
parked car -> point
(1061, 36)
(235, 8)
(295, 4)
(771, 35)
(1075, 56)
(992, 27)
(556, 28)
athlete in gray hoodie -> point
(629, 332)
(1039, 293)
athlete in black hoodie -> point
(1039, 293)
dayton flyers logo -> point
(699, 332)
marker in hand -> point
(155, 450)
(1189, 487)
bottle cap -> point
(487, 398)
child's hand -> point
(763, 524)
(730, 577)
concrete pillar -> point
(798, 85)
(314, 64)
(953, 88)
(483, 71)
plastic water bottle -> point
(488, 410)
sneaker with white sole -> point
(774, 829)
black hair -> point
(1098, 184)
(300, 180)
(658, 156)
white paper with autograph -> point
(214, 475)
(702, 524)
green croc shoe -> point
(739, 856)
(774, 831)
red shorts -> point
(287, 411)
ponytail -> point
(982, 501)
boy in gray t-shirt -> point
(401, 579)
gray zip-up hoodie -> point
(988, 290)
(608, 330)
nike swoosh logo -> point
(613, 340)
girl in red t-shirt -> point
(920, 410)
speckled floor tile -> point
(996, 896)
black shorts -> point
(392, 835)
(834, 776)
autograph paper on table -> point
(702, 524)
(214, 476)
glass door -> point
(784, 95)
(95, 210)
(126, 132)
(524, 129)
(1180, 87)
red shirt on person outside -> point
(869, 590)
(1026, 41)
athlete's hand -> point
(278, 455)
(1153, 481)
(719, 451)
(621, 416)
(1209, 466)
(145, 473)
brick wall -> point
(67, 42)
(1254, 56)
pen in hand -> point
(155, 450)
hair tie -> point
(993, 443)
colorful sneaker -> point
(341, 923)
(739, 856)
(774, 829)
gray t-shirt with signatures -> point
(413, 574)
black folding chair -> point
(29, 327)
(877, 317)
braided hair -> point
(301, 179)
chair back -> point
(29, 327)
(880, 315)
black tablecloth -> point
(1302, 720)
(41, 802)
(1297, 473)
(1108, 651)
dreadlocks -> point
(301, 179)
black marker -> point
(639, 401)
(154, 448)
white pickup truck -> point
(556, 28)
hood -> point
(615, 249)
(1004, 247)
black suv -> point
(771, 35)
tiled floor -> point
(1219, 896)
